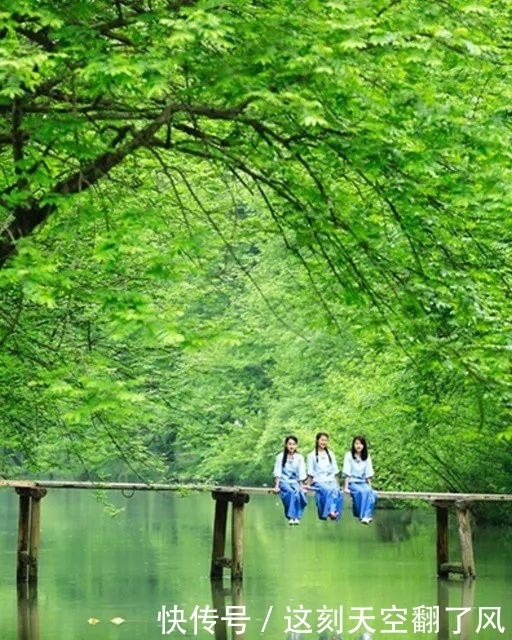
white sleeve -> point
(311, 464)
(369, 467)
(278, 467)
(347, 466)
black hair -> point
(364, 452)
(285, 450)
(317, 438)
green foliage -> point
(221, 222)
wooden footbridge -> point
(31, 493)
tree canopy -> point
(221, 220)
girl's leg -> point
(335, 503)
(294, 500)
(301, 503)
(286, 493)
(363, 500)
(355, 492)
(321, 500)
(368, 500)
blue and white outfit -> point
(323, 469)
(290, 476)
(363, 496)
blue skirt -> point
(293, 498)
(328, 499)
(363, 499)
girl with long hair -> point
(289, 477)
(323, 475)
(357, 480)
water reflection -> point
(223, 599)
(461, 627)
(28, 616)
(450, 594)
(393, 526)
(466, 591)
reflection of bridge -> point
(31, 492)
(461, 600)
(451, 595)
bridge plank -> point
(429, 496)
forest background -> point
(222, 222)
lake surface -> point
(147, 556)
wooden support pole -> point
(219, 535)
(35, 535)
(467, 565)
(442, 540)
(466, 541)
(237, 499)
(29, 534)
(23, 535)
(237, 537)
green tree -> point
(373, 138)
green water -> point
(154, 557)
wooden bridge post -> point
(219, 535)
(219, 560)
(29, 523)
(237, 536)
(442, 540)
(467, 565)
(466, 540)
(23, 535)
